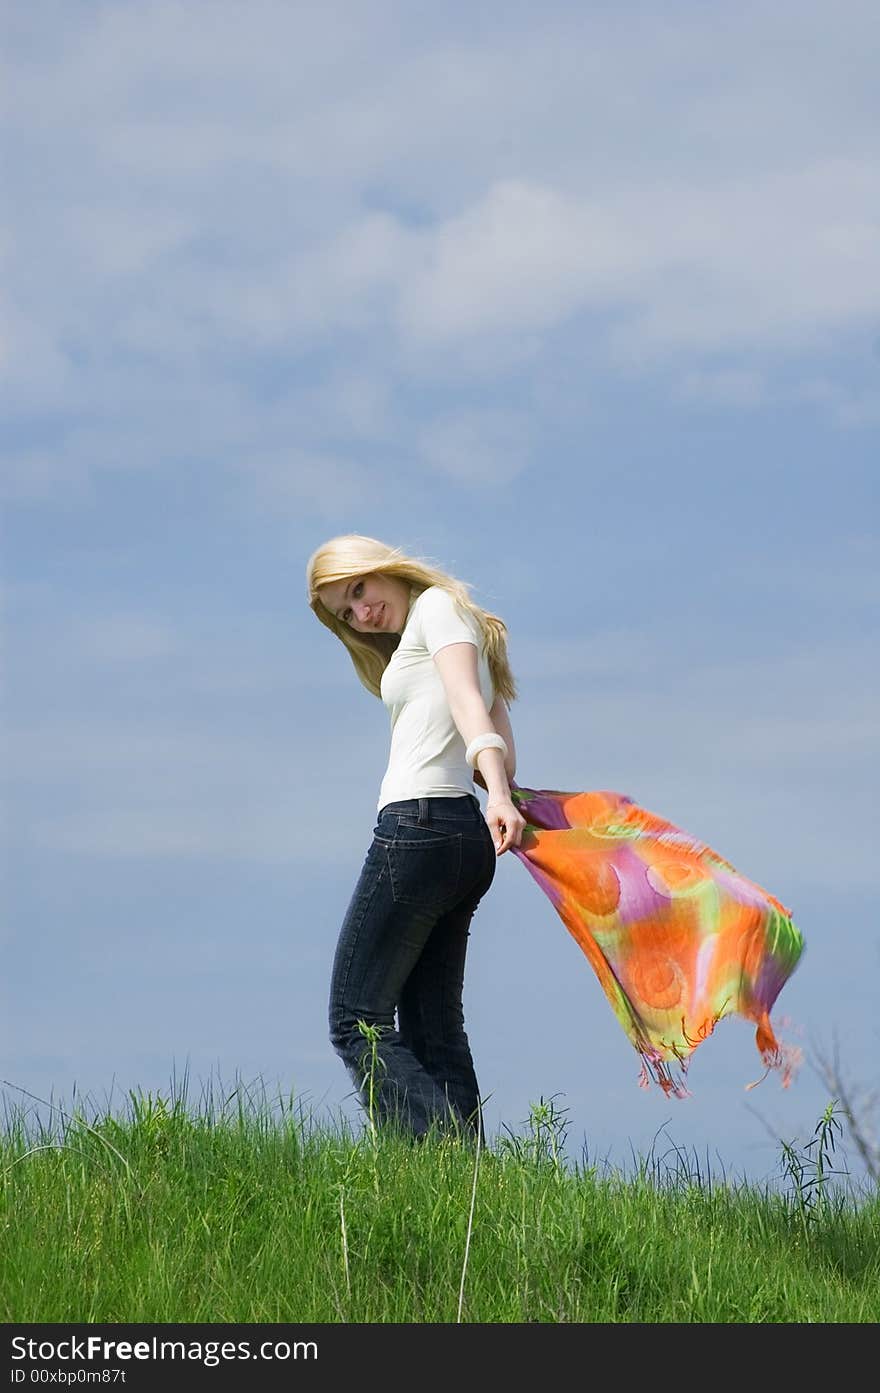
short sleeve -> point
(443, 622)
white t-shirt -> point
(427, 752)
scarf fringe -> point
(784, 1058)
(671, 1073)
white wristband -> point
(489, 741)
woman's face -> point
(369, 603)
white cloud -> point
(522, 257)
(34, 368)
(850, 406)
(110, 241)
(777, 263)
(765, 263)
(31, 476)
(479, 447)
(352, 96)
(292, 477)
(434, 199)
(724, 387)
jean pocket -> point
(424, 866)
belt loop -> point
(423, 810)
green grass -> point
(249, 1213)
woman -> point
(439, 664)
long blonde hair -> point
(354, 555)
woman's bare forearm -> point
(472, 719)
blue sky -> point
(581, 304)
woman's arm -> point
(501, 721)
(457, 665)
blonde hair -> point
(354, 555)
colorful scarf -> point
(676, 936)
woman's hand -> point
(505, 821)
(506, 824)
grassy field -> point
(245, 1213)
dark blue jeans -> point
(402, 948)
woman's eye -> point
(354, 592)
